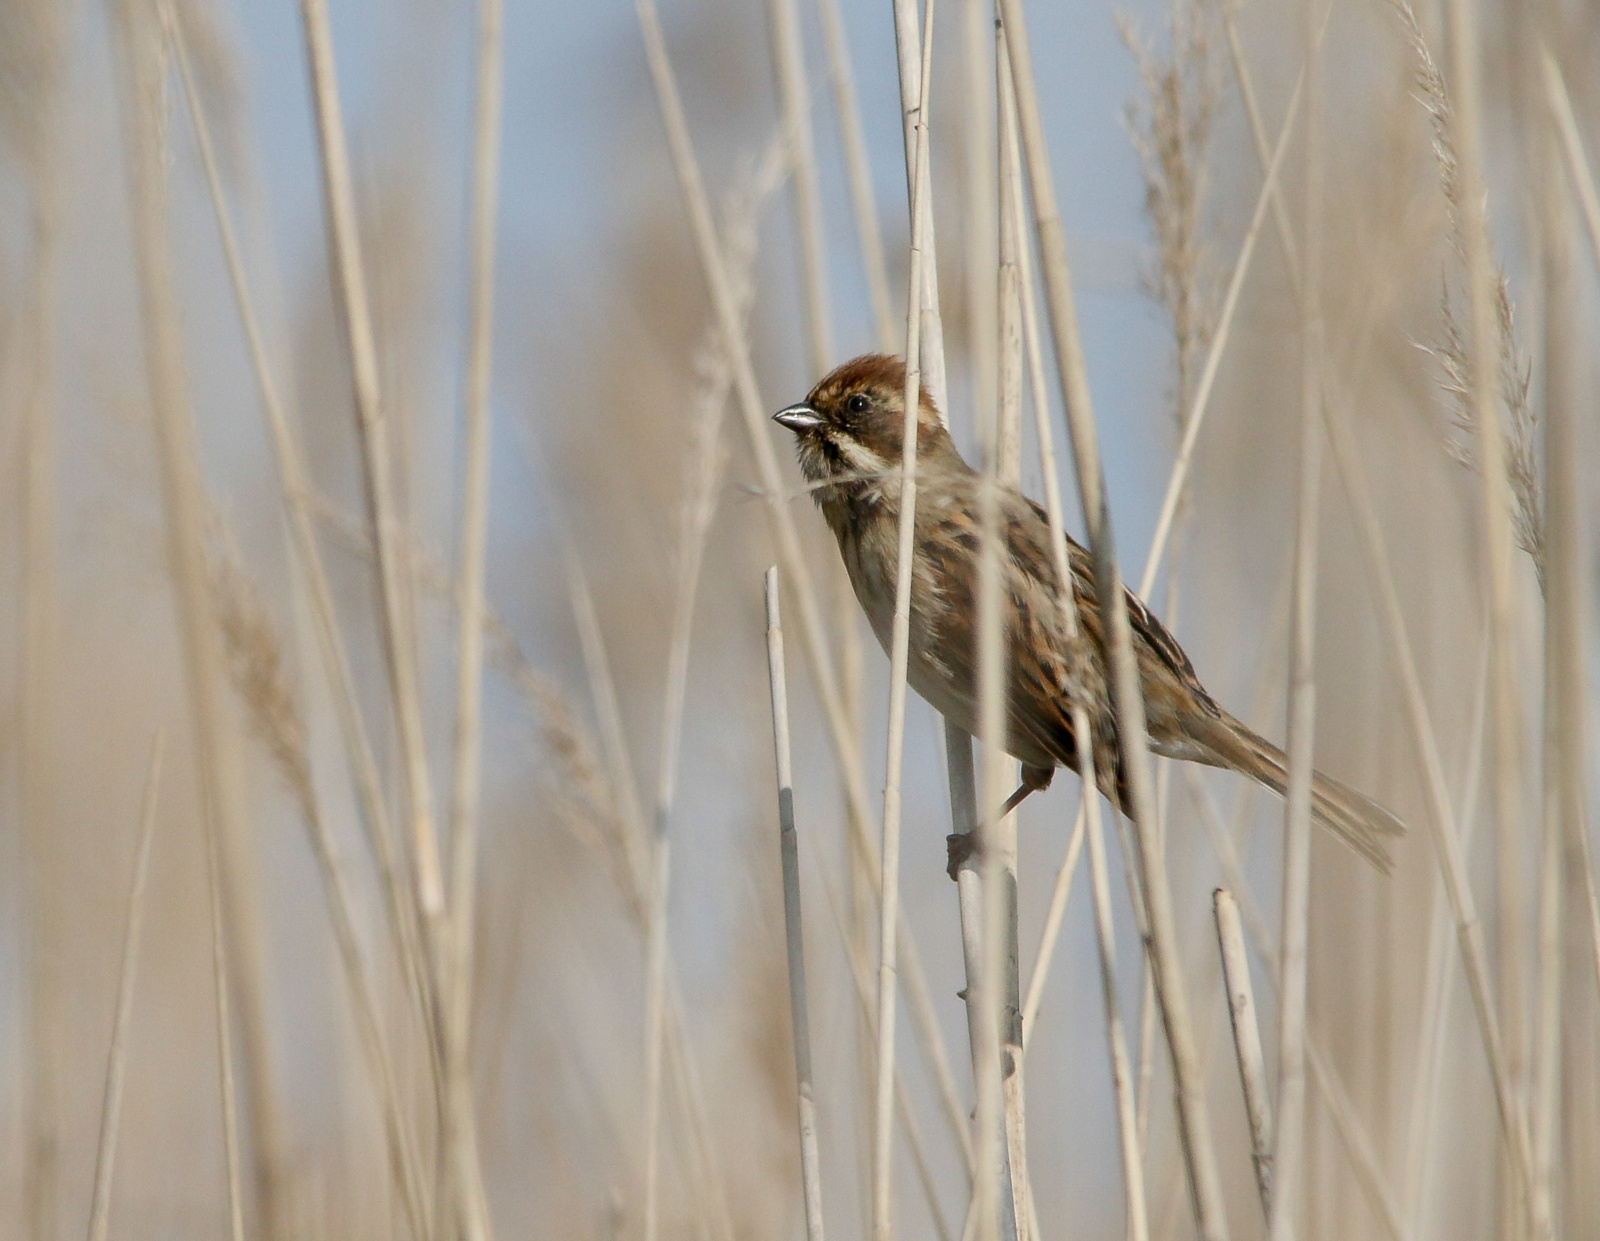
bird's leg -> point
(961, 847)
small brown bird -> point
(849, 434)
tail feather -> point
(1353, 817)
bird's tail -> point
(1354, 818)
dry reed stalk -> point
(1347, 1124)
(899, 652)
(1566, 725)
(999, 370)
(859, 973)
(116, 1060)
(1195, 418)
(1121, 1079)
(654, 1025)
(297, 495)
(789, 851)
(788, 54)
(1138, 1223)
(1258, 132)
(1014, 235)
(256, 665)
(219, 974)
(859, 171)
(1483, 359)
(1124, 676)
(1572, 148)
(34, 34)
(788, 51)
(643, 874)
(1441, 819)
(1288, 1151)
(1246, 1041)
(1050, 935)
(979, 233)
(699, 507)
(141, 69)
(1433, 1027)
(790, 561)
(383, 515)
(912, 67)
(1170, 127)
(909, 41)
(459, 1136)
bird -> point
(848, 434)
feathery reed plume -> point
(298, 502)
(1516, 377)
(708, 455)
(141, 65)
(1170, 123)
(255, 663)
(1450, 351)
(1458, 126)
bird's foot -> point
(960, 848)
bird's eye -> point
(857, 404)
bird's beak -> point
(798, 418)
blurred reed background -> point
(353, 365)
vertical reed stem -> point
(789, 853)
(111, 1099)
(1483, 356)
(1289, 1144)
(1199, 1158)
(344, 247)
(788, 54)
(184, 503)
(1246, 1041)
(889, 882)
(470, 1207)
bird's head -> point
(852, 425)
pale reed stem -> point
(1505, 704)
(1199, 1156)
(184, 504)
(889, 881)
(789, 854)
(116, 1062)
(298, 504)
(788, 54)
(394, 583)
(1089, 808)
(1289, 1139)
(790, 561)
(1246, 1041)
(1347, 1122)
(460, 1125)
(859, 170)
